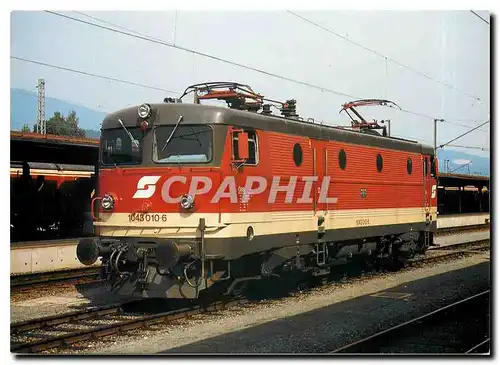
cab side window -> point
(253, 148)
(426, 162)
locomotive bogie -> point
(168, 267)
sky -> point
(435, 63)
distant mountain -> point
(479, 166)
(89, 133)
(23, 110)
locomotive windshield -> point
(188, 144)
(119, 149)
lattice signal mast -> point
(41, 126)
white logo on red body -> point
(254, 185)
(433, 191)
(146, 187)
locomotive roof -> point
(168, 114)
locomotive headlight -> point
(107, 202)
(144, 111)
(187, 201)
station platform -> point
(457, 239)
(35, 257)
(462, 220)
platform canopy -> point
(35, 147)
(456, 180)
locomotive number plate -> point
(147, 217)
(362, 222)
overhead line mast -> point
(41, 126)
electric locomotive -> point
(194, 197)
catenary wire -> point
(153, 87)
(459, 167)
(470, 147)
(383, 56)
(442, 120)
(116, 25)
(132, 33)
(92, 74)
(463, 134)
(480, 17)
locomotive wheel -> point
(240, 289)
(208, 296)
(396, 263)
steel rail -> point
(474, 348)
(115, 328)
(452, 252)
(366, 340)
(16, 328)
(461, 229)
(53, 276)
(457, 246)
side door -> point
(433, 171)
(427, 184)
(245, 163)
(320, 160)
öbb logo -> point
(146, 187)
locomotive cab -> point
(154, 169)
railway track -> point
(436, 254)
(458, 246)
(66, 329)
(459, 230)
(461, 327)
(118, 322)
(53, 277)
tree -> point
(58, 124)
(26, 128)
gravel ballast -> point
(299, 323)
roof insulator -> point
(289, 109)
(266, 109)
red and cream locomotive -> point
(194, 196)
